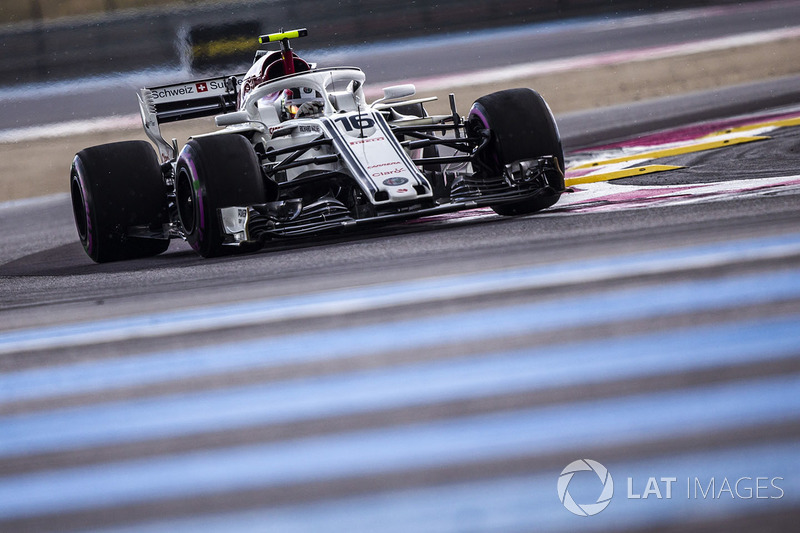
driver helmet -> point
(301, 102)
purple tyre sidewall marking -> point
(197, 188)
(80, 174)
(477, 112)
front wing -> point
(291, 219)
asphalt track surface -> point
(437, 375)
(433, 376)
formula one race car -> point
(299, 152)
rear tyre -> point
(215, 172)
(114, 188)
(522, 127)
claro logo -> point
(391, 172)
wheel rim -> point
(184, 193)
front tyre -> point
(212, 173)
(521, 127)
(115, 188)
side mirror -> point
(396, 92)
(230, 119)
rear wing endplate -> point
(184, 101)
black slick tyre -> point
(212, 173)
(114, 188)
(522, 127)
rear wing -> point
(184, 101)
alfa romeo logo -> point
(585, 509)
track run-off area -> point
(438, 375)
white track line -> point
(618, 421)
(430, 333)
(336, 303)
(524, 502)
(410, 386)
